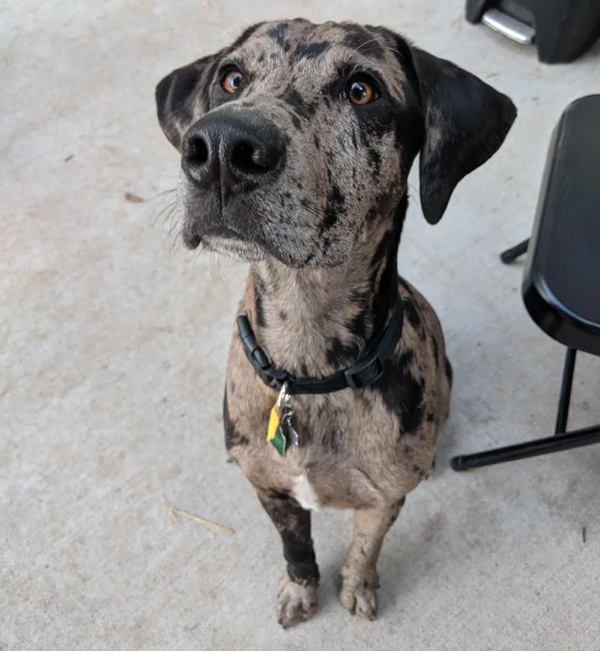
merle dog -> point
(296, 142)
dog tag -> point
(274, 432)
(288, 428)
(273, 424)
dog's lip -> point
(194, 239)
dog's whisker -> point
(391, 49)
(220, 27)
(221, 274)
(167, 213)
(161, 194)
(362, 45)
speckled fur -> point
(322, 238)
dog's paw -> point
(359, 593)
(295, 602)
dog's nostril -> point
(197, 152)
(246, 157)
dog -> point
(296, 142)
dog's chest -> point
(338, 461)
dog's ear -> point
(177, 93)
(465, 123)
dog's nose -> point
(238, 148)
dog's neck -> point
(313, 322)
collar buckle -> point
(268, 372)
(365, 372)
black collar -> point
(365, 371)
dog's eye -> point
(360, 91)
(232, 81)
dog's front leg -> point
(297, 599)
(359, 572)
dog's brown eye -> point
(360, 92)
(232, 81)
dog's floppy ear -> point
(465, 122)
(177, 93)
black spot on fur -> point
(402, 393)
(311, 50)
(330, 218)
(277, 494)
(407, 357)
(326, 243)
(357, 297)
(331, 440)
(259, 289)
(293, 524)
(278, 34)
(317, 143)
(429, 417)
(384, 277)
(381, 252)
(411, 404)
(449, 372)
(293, 98)
(245, 35)
(400, 215)
(295, 120)
(232, 436)
(410, 313)
(418, 470)
(436, 351)
(340, 354)
(335, 206)
(358, 325)
(375, 160)
(361, 40)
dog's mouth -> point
(223, 240)
(192, 239)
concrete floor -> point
(112, 352)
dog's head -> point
(298, 135)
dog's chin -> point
(241, 250)
(229, 245)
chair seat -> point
(561, 285)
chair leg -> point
(510, 255)
(565, 392)
(553, 444)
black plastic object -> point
(564, 29)
(561, 284)
(367, 370)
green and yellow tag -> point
(274, 433)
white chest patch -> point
(304, 493)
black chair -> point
(561, 284)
